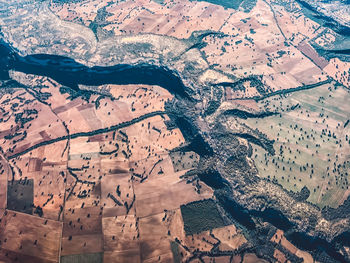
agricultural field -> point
(184, 160)
(88, 258)
(312, 143)
(25, 235)
(194, 213)
(20, 195)
(252, 41)
(174, 131)
(109, 189)
(279, 238)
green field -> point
(83, 258)
(20, 195)
(312, 145)
(176, 252)
(201, 216)
(184, 160)
(225, 3)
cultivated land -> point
(312, 143)
(233, 126)
(106, 190)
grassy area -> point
(159, 1)
(184, 160)
(83, 258)
(312, 145)
(200, 216)
(225, 3)
(176, 252)
(20, 195)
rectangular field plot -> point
(83, 258)
(20, 195)
(201, 216)
(29, 237)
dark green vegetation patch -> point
(20, 195)
(83, 258)
(176, 252)
(225, 3)
(201, 216)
